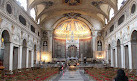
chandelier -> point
(72, 28)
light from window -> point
(111, 13)
(106, 21)
(38, 21)
(120, 3)
(33, 14)
(23, 3)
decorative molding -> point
(72, 2)
(72, 15)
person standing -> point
(121, 76)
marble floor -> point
(67, 75)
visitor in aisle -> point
(121, 76)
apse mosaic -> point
(72, 28)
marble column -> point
(116, 57)
(20, 57)
(11, 57)
(49, 41)
(27, 58)
(37, 56)
(130, 55)
(94, 46)
(107, 56)
(122, 56)
(112, 63)
(32, 58)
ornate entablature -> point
(72, 2)
(48, 4)
(72, 15)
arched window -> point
(38, 21)
(22, 20)
(23, 3)
(121, 19)
(106, 21)
(9, 8)
(111, 28)
(120, 3)
(133, 8)
(33, 13)
(111, 13)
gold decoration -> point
(128, 29)
(1, 20)
(72, 28)
(2, 39)
(121, 33)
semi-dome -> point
(72, 28)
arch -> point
(131, 32)
(72, 29)
(5, 51)
(79, 18)
(119, 53)
(6, 29)
(134, 48)
(24, 53)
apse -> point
(72, 28)
(72, 39)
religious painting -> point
(99, 46)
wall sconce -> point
(100, 55)
(46, 56)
